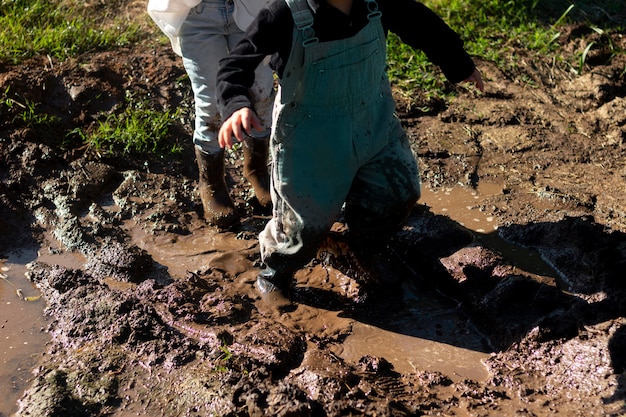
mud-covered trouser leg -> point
(384, 191)
(375, 173)
(207, 35)
(374, 210)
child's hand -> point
(240, 122)
(477, 79)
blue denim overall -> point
(336, 140)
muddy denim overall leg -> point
(207, 35)
(335, 140)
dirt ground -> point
(162, 317)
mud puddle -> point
(202, 249)
(430, 334)
(466, 207)
(463, 205)
(23, 337)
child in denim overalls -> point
(336, 144)
(203, 32)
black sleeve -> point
(419, 27)
(270, 34)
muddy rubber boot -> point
(219, 209)
(255, 153)
(275, 288)
(377, 265)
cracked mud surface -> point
(160, 316)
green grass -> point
(493, 29)
(26, 112)
(60, 29)
(64, 29)
(137, 129)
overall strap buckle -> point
(303, 19)
(372, 8)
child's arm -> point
(269, 34)
(421, 28)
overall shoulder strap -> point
(303, 19)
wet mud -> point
(149, 311)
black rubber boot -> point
(255, 163)
(219, 209)
(274, 287)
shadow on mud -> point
(488, 292)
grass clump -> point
(137, 129)
(60, 29)
(26, 112)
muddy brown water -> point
(463, 205)
(22, 339)
(430, 334)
